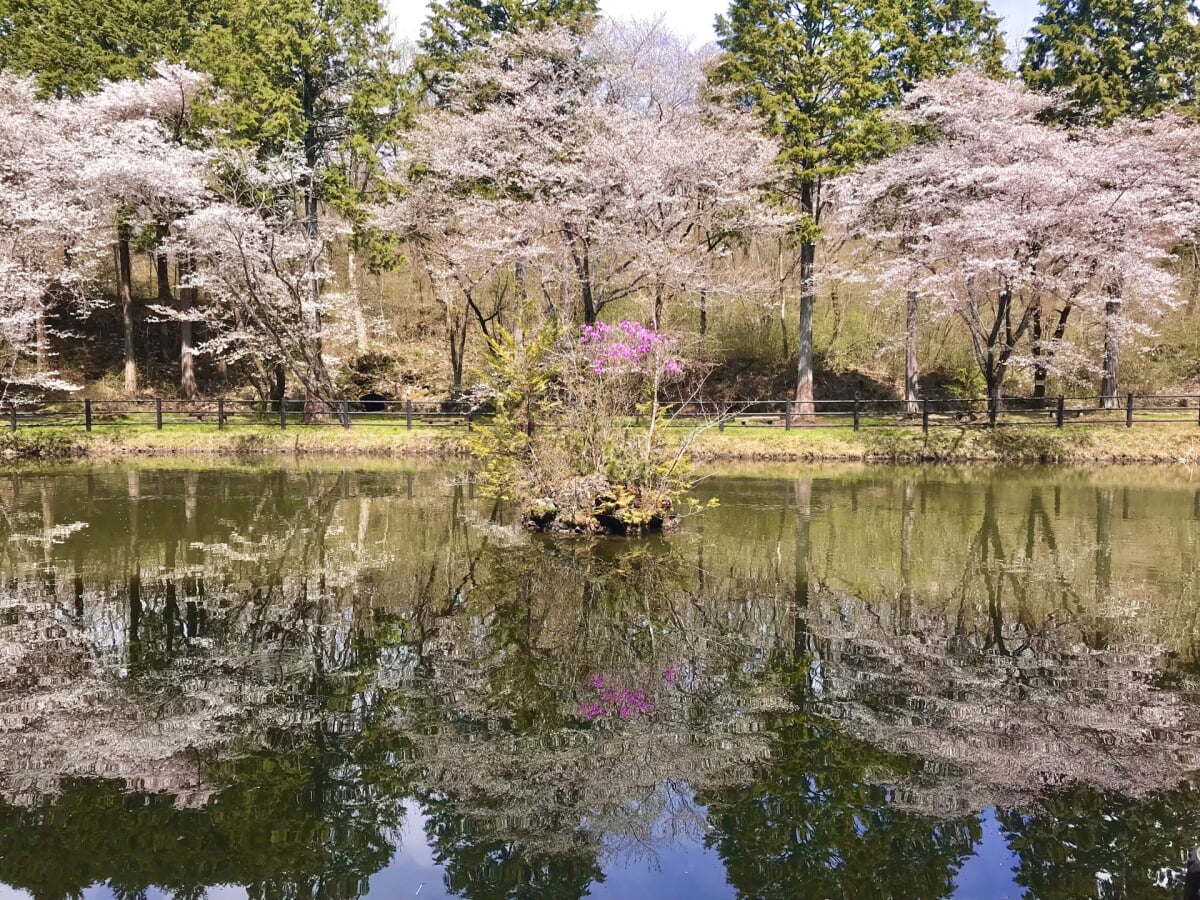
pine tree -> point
(822, 74)
(1116, 57)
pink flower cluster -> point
(627, 347)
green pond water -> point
(290, 680)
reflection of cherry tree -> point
(1004, 691)
(233, 648)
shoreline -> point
(1169, 444)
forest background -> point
(285, 230)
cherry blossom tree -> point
(71, 169)
(600, 175)
(145, 176)
(256, 257)
(1016, 227)
(40, 230)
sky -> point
(695, 17)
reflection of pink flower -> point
(614, 701)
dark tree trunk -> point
(162, 275)
(703, 313)
(125, 288)
(804, 358)
(279, 390)
(1044, 355)
(1039, 365)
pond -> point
(300, 680)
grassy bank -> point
(1159, 444)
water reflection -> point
(298, 680)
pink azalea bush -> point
(628, 348)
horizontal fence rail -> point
(855, 414)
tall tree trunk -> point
(279, 390)
(703, 313)
(582, 261)
(1110, 383)
(361, 337)
(316, 406)
(804, 357)
(1045, 355)
(911, 397)
(522, 301)
(125, 286)
(658, 307)
(162, 275)
(317, 386)
(1039, 364)
(187, 351)
(783, 323)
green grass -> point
(1171, 442)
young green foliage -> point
(517, 381)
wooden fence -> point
(1054, 412)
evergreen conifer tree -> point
(1115, 57)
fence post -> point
(720, 418)
(925, 415)
(12, 416)
(282, 413)
(220, 412)
(408, 414)
(87, 414)
(856, 414)
(787, 416)
(158, 413)
(1060, 412)
(1129, 411)
(468, 420)
(344, 412)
